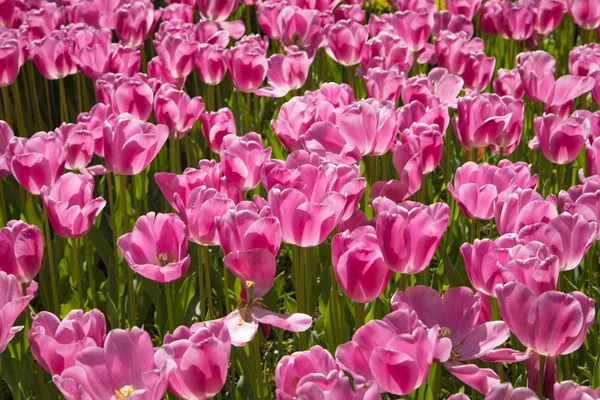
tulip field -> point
(299, 199)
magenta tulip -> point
(409, 233)
(266, 14)
(21, 249)
(177, 54)
(92, 50)
(468, 8)
(548, 16)
(430, 143)
(12, 304)
(387, 51)
(201, 355)
(560, 141)
(247, 68)
(517, 20)
(518, 209)
(522, 311)
(10, 61)
(408, 162)
(582, 199)
(413, 27)
(176, 110)
(157, 247)
(568, 236)
(133, 96)
(134, 22)
(217, 10)
(242, 159)
(453, 51)
(383, 85)
(93, 121)
(585, 13)
(216, 125)
(570, 390)
(130, 144)
(55, 343)
(346, 41)
(508, 83)
(53, 55)
(301, 28)
(39, 162)
(6, 134)
(70, 205)
(79, 145)
(210, 64)
(125, 367)
(437, 88)
(285, 73)
(44, 19)
(358, 264)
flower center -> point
(444, 332)
(164, 259)
(123, 393)
(246, 307)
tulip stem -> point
(130, 285)
(335, 309)
(206, 267)
(77, 266)
(210, 98)
(540, 382)
(299, 277)
(7, 106)
(36, 103)
(19, 107)
(64, 110)
(3, 215)
(226, 291)
(169, 298)
(51, 264)
(79, 86)
(248, 128)
(172, 153)
(89, 255)
(257, 367)
(201, 294)
(48, 103)
(359, 314)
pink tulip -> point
(346, 41)
(358, 264)
(257, 279)
(176, 110)
(55, 343)
(507, 259)
(388, 52)
(420, 227)
(478, 72)
(517, 20)
(39, 162)
(453, 51)
(70, 205)
(216, 125)
(10, 61)
(584, 60)
(294, 119)
(92, 51)
(242, 159)
(93, 122)
(124, 60)
(439, 87)
(201, 355)
(430, 143)
(7, 13)
(210, 64)
(548, 16)
(508, 83)
(6, 134)
(408, 162)
(468, 8)
(570, 390)
(44, 19)
(383, 85)
(285, 73)
(266, 14)
(21, 249)
(157, 247)
(133, 96)
(458, 314)
(350, 12)
(413, 27)
(582, 199)
(568, 236)
(476, 187)
(315, 374)
(79, 145)
(522, 311)
(585, 13)
(560, 141)
(301, 28)
(134, 22)
(490, 17)
(53, 55)
(178, 12)
(247, 68)
(211, 32)
(516, 210)
(177, 54)
(447, 21)
(125, 367)
(12, 304)
(504, 391)
(216, 10)
(130, 145)
(395, 352)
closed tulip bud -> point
(210, 64)
(53, 55)
(133, 96)
(176, 110)
(130, 144)
(478, 72)
(12, 304)
(10, 61)
(216, 125)
(55, 343)
(293, 120)
(242, 159)
(548, 16)
(346, 41)
(285, 73)
(247, 68)
(468, 8)
(585, 13)
(560, 141)
(79, 145)
(518, 20)
(134, 22)
(414, 28)
(431, 143)
(6, 134)
(266, 14)
(301, 28)
(177, 54)
(21, 249)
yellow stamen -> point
(123, 393)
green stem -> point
(3, 214)
(51, 264)
(540, 382)
(77, 266)
(437, 380)
(90, 268)
(115, 256)
(48, 102)
(64, 110)
(335, 309)
(201, 286)
(359, 314)
(257, 367)
(19, 107)
(172, 153)
(300, 281)
(26, 324)
(248, 128)
(7, 106)
(210, 98)
(169, 298)
(79, 87)
(206, 264)
(226, 285)
(130, 284)
(35, 101)
(188, 150)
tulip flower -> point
(216, 10)
(508, 83)
(387, 51)
(242, 159)
(468, 8)
(430, 143)
(6, 134)
(521, 208)
(79, 145)
(125, 367)
(453, 51)
(316, 374)
(420, 226)
(55, 343)
(408, 162)
(582, 199)
(560, 141)
(247, 68)
(568, 236)
(12, 304)
(508, 259)
(504, 391)
(257, 278)
(571, 390)
(585, 13)
(134, 22)
(201, 355)
(93, 121)
(7, 14)
(133, 96)
(413, 27)
(69, 204)
(437, 88)
(178, 12)
(522, 311)
(53, 55)
(346, 41)
(476, 187)
(383, 85)
(548, 16)
(458, 314)
(216, 125)
(266, 15)
(157, 247)
(21, 249)
(301, 28)
(447, 21)
(176, 110)
(517, 20)
(478, 71)
(10, 61)
(92, 49)
(39, 162)
(285, 73)
(293, 120)
(130, 144)
(177, 54)
(358, 264)
(210, 64)
(124, 60)
(398, 342)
